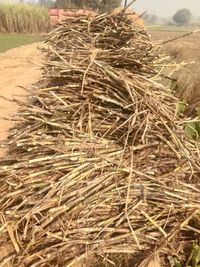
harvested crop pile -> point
(98, 162)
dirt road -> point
(18, 67)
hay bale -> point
(99, 163)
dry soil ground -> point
(19, 67)
(185, 48)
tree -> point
(101, 5)
(78, 3)
(150, 18)
(182, 16)
(47, 3)
(108, 5)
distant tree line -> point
(182, 16)
(101, 5)
(47, 3)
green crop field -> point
(8, 41)
(23, 18)
(161, 28)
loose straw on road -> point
(98, 162)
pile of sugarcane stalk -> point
(98, 161)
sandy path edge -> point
(19, 67)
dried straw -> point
(98, 161)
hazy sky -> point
(166, 8)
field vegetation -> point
(185, 52)
(172, 28)
(23, 18)
(9, 41)
(101, 6)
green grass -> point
(8, 41)
(172, 28)
(193, 259)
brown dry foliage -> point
(156, 159)
(131, 15)
(188, 76)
